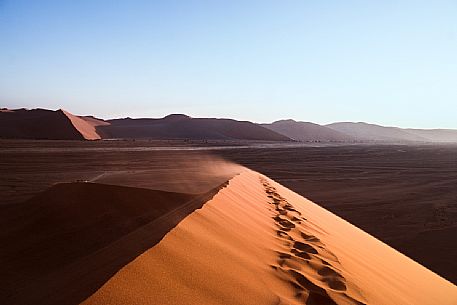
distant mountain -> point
(37, 124)
(179, 126)
(307, 132)
(375, 133)
(435, 135)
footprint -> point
(302, 254)
(283, 255)
(283, 234)
(295, 219)
(335, 284)
(316, 295)
(310, 238)
(286, 224)
(281, 211)
(326, 271)
(305, 247)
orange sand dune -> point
(86, 126)
(256, 242)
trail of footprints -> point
(305, 257)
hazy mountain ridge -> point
(371, 132)
(366, 132)
(437, 135)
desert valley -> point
(216, 211)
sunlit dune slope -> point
(257, 242)
(86, 126)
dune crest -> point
(257, 242)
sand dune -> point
(62, 125)
(48, 124)
(307, 131)
(180, 126)
(376, 133)
(257, 242)
(60, 246)
(86, 126)
(37, 124)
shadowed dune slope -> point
(178, 126)
(37, 124)
(306, 131)
(257, 242)
(63, 244)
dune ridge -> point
(256, 242)
(86, 126)
(63, 244)
(37, 124)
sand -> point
(256, 242)
(86, 127)
(63, 244)
(37, 124)
(402, 195)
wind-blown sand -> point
(256, 242)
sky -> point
(386, 62)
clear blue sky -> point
(385, 62)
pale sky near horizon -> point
(384, 62)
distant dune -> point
(257, 242)
(180, 126)
(376, 133)
(307, 132)
(37, 124)
(86, 126)
(62, 125)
